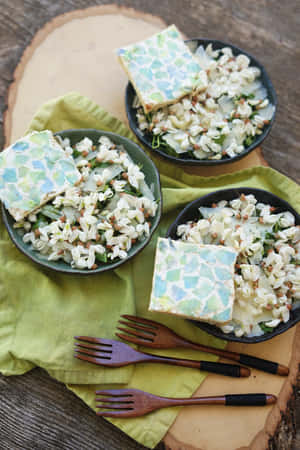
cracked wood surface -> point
(36, 412)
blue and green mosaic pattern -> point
(194, 281)
(161, 68)
(32, 171)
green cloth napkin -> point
(41, 311)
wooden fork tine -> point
(148, 322)
(117, 399)
(115, 392)
(94, 340)
(129, 338)
(111, 413)
(136, 333)
(93, 347)
(89, 359)
(99, 354)
(115, 406)
(136, 326)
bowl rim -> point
(212, 329)
(207, 162)
(87, 272)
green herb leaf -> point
(265, 328)
(155, 141)
(295, 261)
(220, 139)
(257, 212)
(40, 222)
(94, 163)
(133, 191)
(51, 212)
(269, 236)
(267, 247)
(245, 96)
(276, 227)
(252, 115)
(167, 149)
(149, 117)
(75, 153)
(101, 257)
(248, 141)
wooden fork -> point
(148, 333)
(110, 353)
(133, 402)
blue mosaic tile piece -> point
(161, 68)
(32, 171)
(194, 281)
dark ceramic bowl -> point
(151, 177)
(147, 139)
(191, 212)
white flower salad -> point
(100, 218)
(221, 119)
(267, 276)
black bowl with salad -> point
(102, 221)
(272, 241)
(241, 123)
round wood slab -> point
(86, 63)
(75, 51)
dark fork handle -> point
(227, 400)
(249, 399)
(229, 370)
(263, 364)
(247, 360)
(143, 402)
(164, 337)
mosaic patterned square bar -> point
(32, 171)
(161, 68)
(193, 281)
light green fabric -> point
(41, 311)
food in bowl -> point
(221, 120)
(267, 273)
(102, 217)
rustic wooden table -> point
(36, 412)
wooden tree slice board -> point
(75, 51)
(86, 63)
(215, 428)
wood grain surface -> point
(39, 413)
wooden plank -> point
(253, 427)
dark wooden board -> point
(52, 417)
